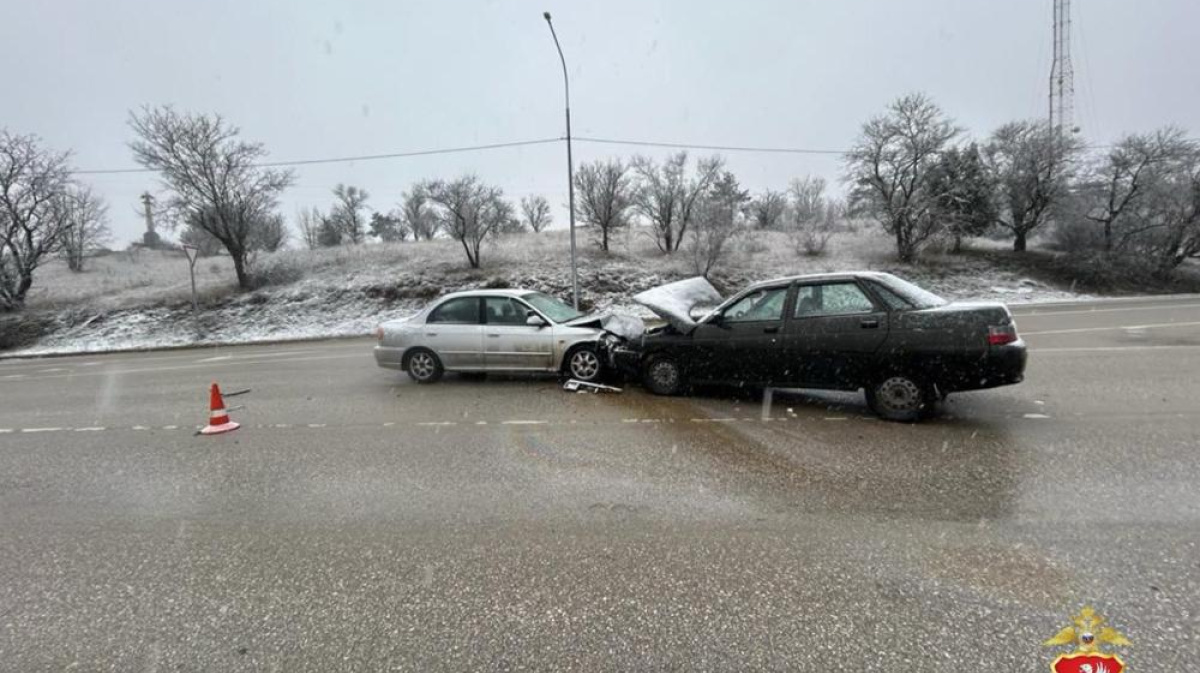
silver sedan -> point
(492, 330)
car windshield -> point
(918, 297)
(551, 307)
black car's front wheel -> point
(662, 375)
(900, 397)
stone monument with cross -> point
(150, 239)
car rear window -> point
(918, 297)
(459, 311)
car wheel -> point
(424, 367)
(899, 398)
(583, 364)
(663, 376)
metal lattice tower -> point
(1062, 74)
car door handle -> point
(771, 330)
(493, 336)
(869, 323)
(431, 334)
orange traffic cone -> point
(218, 418)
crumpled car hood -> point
(674, 302)
(630, 327)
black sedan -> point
(903, 345)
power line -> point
(719, 148)
(518, 143)
(364, 157)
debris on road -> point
(575, 385)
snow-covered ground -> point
(142, 303)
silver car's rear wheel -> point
(584, 364)
(424, 367)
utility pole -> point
(570, 164)
(1062, 74)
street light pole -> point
(570, 163)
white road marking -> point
(389, 424)
(94, 428)
(1104, 349)
(5, 431)
(139, 427)
(1036, 314)
(170, 427)
(1035, 416)
(438, 423)
(316, 425)
(218, 358)
(40, 429)
(14, 376)
(520, 422)
(1077, 330)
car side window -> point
(763, 305)
(828, 299)
(458, 311)
(503, 311)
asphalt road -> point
(360, 522)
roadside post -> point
(192, 255)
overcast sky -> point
(324, 79)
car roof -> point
(487, 293)
(841, 275)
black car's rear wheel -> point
(899, 397)
(662, 375)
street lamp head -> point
(546, 15)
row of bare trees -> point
(1140, 198)
(44, 212)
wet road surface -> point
(360, 522)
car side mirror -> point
(535, 320)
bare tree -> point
(1031, 166)
(417, 214)
(213, 176)
(1175, 211)
(347, 213)
(887, 167)
(86, 225)
(1118, 187)
(767, 209)
(811, 216)
(309, 221)
(269, 235)
(33, 219)
(469, 211)
(536, 211)
(604, 196)
(205, 244)
(720, 216)
(666, 197)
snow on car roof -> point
(489, 293)
(837, 275)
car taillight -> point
(999, 335)
(379, 333)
